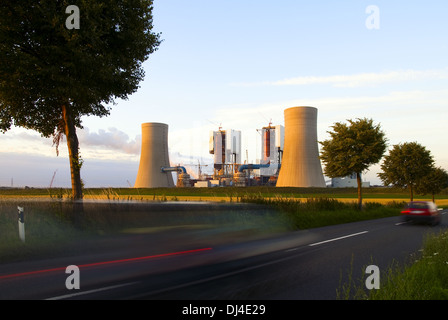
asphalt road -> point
(307, 265)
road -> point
(311, 264)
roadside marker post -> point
(21, 224)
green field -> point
(223, 193)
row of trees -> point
(354, 146)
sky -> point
(239, 64)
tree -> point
(52, 75)
(406, 165)
(433, 183)
(353, 148)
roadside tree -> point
(353, 148)
(406, 166)
(55, 69)
(433, 183)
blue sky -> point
(241, 63)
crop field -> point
(225, 194)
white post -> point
(21, 224)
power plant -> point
(289, 156)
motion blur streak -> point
(104, 263)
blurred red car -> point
(421, 211)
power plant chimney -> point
(154, 156)
(301, 165)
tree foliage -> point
(52, 76)
(353, 148)
(406, 165)
(433, 183)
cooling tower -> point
(301, 164)
(154, 156)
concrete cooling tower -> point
(154, 156)
(301, 165)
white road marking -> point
(90, 291)
(339, 238)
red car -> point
(421, 211)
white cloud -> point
(356, 80)
(111, 143)
(110, 139)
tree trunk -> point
(411, 192)
(73, 151)
(359, 181)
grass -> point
(424, 278)
(224, 192)
(46, 226)
(319, 212)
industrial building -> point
(349, 181)
(301, 165)
(225, 145)
(154, 169)
(289, 156)
(272, 141)
(154, 156)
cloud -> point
(111, 139)
(356, 80)
(110, 143)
